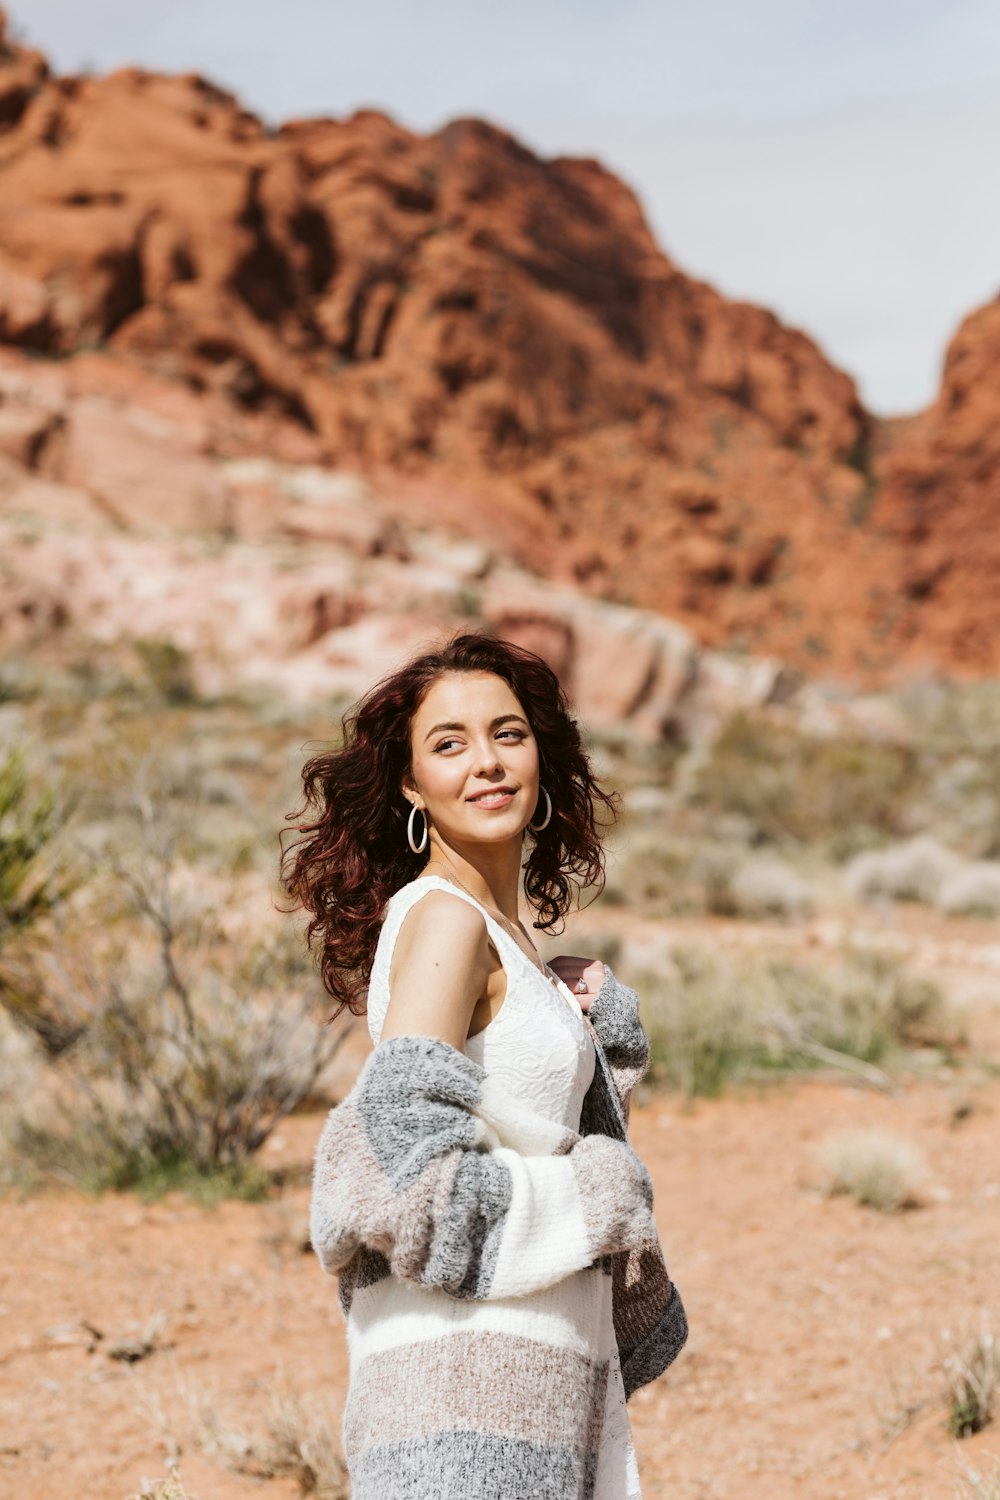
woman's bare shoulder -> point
(441, 914)
(440, 965)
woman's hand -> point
(570, 967)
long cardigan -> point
(431, 1173)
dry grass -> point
(974, 1484)
(876, 1169)
(293, 1437)
(896, 1403)
(170, 1487)
(972, 1380)
(715, 1017)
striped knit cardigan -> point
(429, 1172)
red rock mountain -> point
(940, 499)
(498, 341)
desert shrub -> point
(671, 876)
(876, 1169)
(174, 1078)
(649, 873)
(714, 1017)
(795, 788)
(168, 669)
(923, 869)
(864, 1003)
(196, 1034)
(914, 870)
(701, 1027)
(20, 681)
(953, 716)
(32, 885)
(768, 887)
(972, 1381)
(28, 825)
(293, 1438)
(957, 725)
(973, 890)
(962, 802)
(23, 1098)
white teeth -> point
(491, 799)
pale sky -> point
(835, 162)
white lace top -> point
(540, 1048)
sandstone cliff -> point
(497, 341)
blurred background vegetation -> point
(158, 1011)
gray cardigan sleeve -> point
(614, 1015)
(429, 1163)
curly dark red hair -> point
(350, 851)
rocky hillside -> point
(940, 500)
(498, 343)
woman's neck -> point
(492, 875)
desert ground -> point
(137, 1334)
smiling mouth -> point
(493, 799)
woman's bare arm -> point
(440, 965)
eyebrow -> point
(500, 719)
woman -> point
(476, 1194)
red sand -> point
(814, 1323)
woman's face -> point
(470, 737)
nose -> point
(489, 758)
